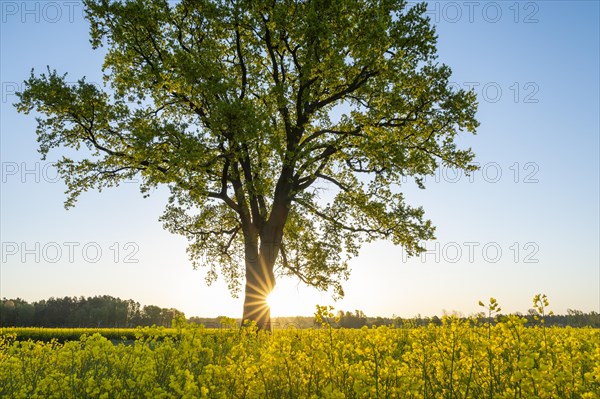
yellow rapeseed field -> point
(459, 359)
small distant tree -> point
(168, 315)
(352, 320)
(248, 110)
(152, 315)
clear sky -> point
(526, 223)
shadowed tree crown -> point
(284, 129)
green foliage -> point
(248, 110)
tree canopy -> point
(284, 129)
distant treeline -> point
(573, 318)
(358, 319)
(107, 311)
(97, 311)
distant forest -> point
(97, 311)
(107, 311)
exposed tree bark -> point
(260, 282)
(260, 263)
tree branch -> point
(257, 202)
(288, 266)
(323, 157)
(354, 132)
(222, 195)
(363, 76)
(371, 232)
(238, 47)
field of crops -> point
(63, 335)
(460, 359)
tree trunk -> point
(260, 281)
(261, 257)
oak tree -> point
(284, 129)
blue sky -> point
(527, 222)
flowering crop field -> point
(67, 334)
(459, 359)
